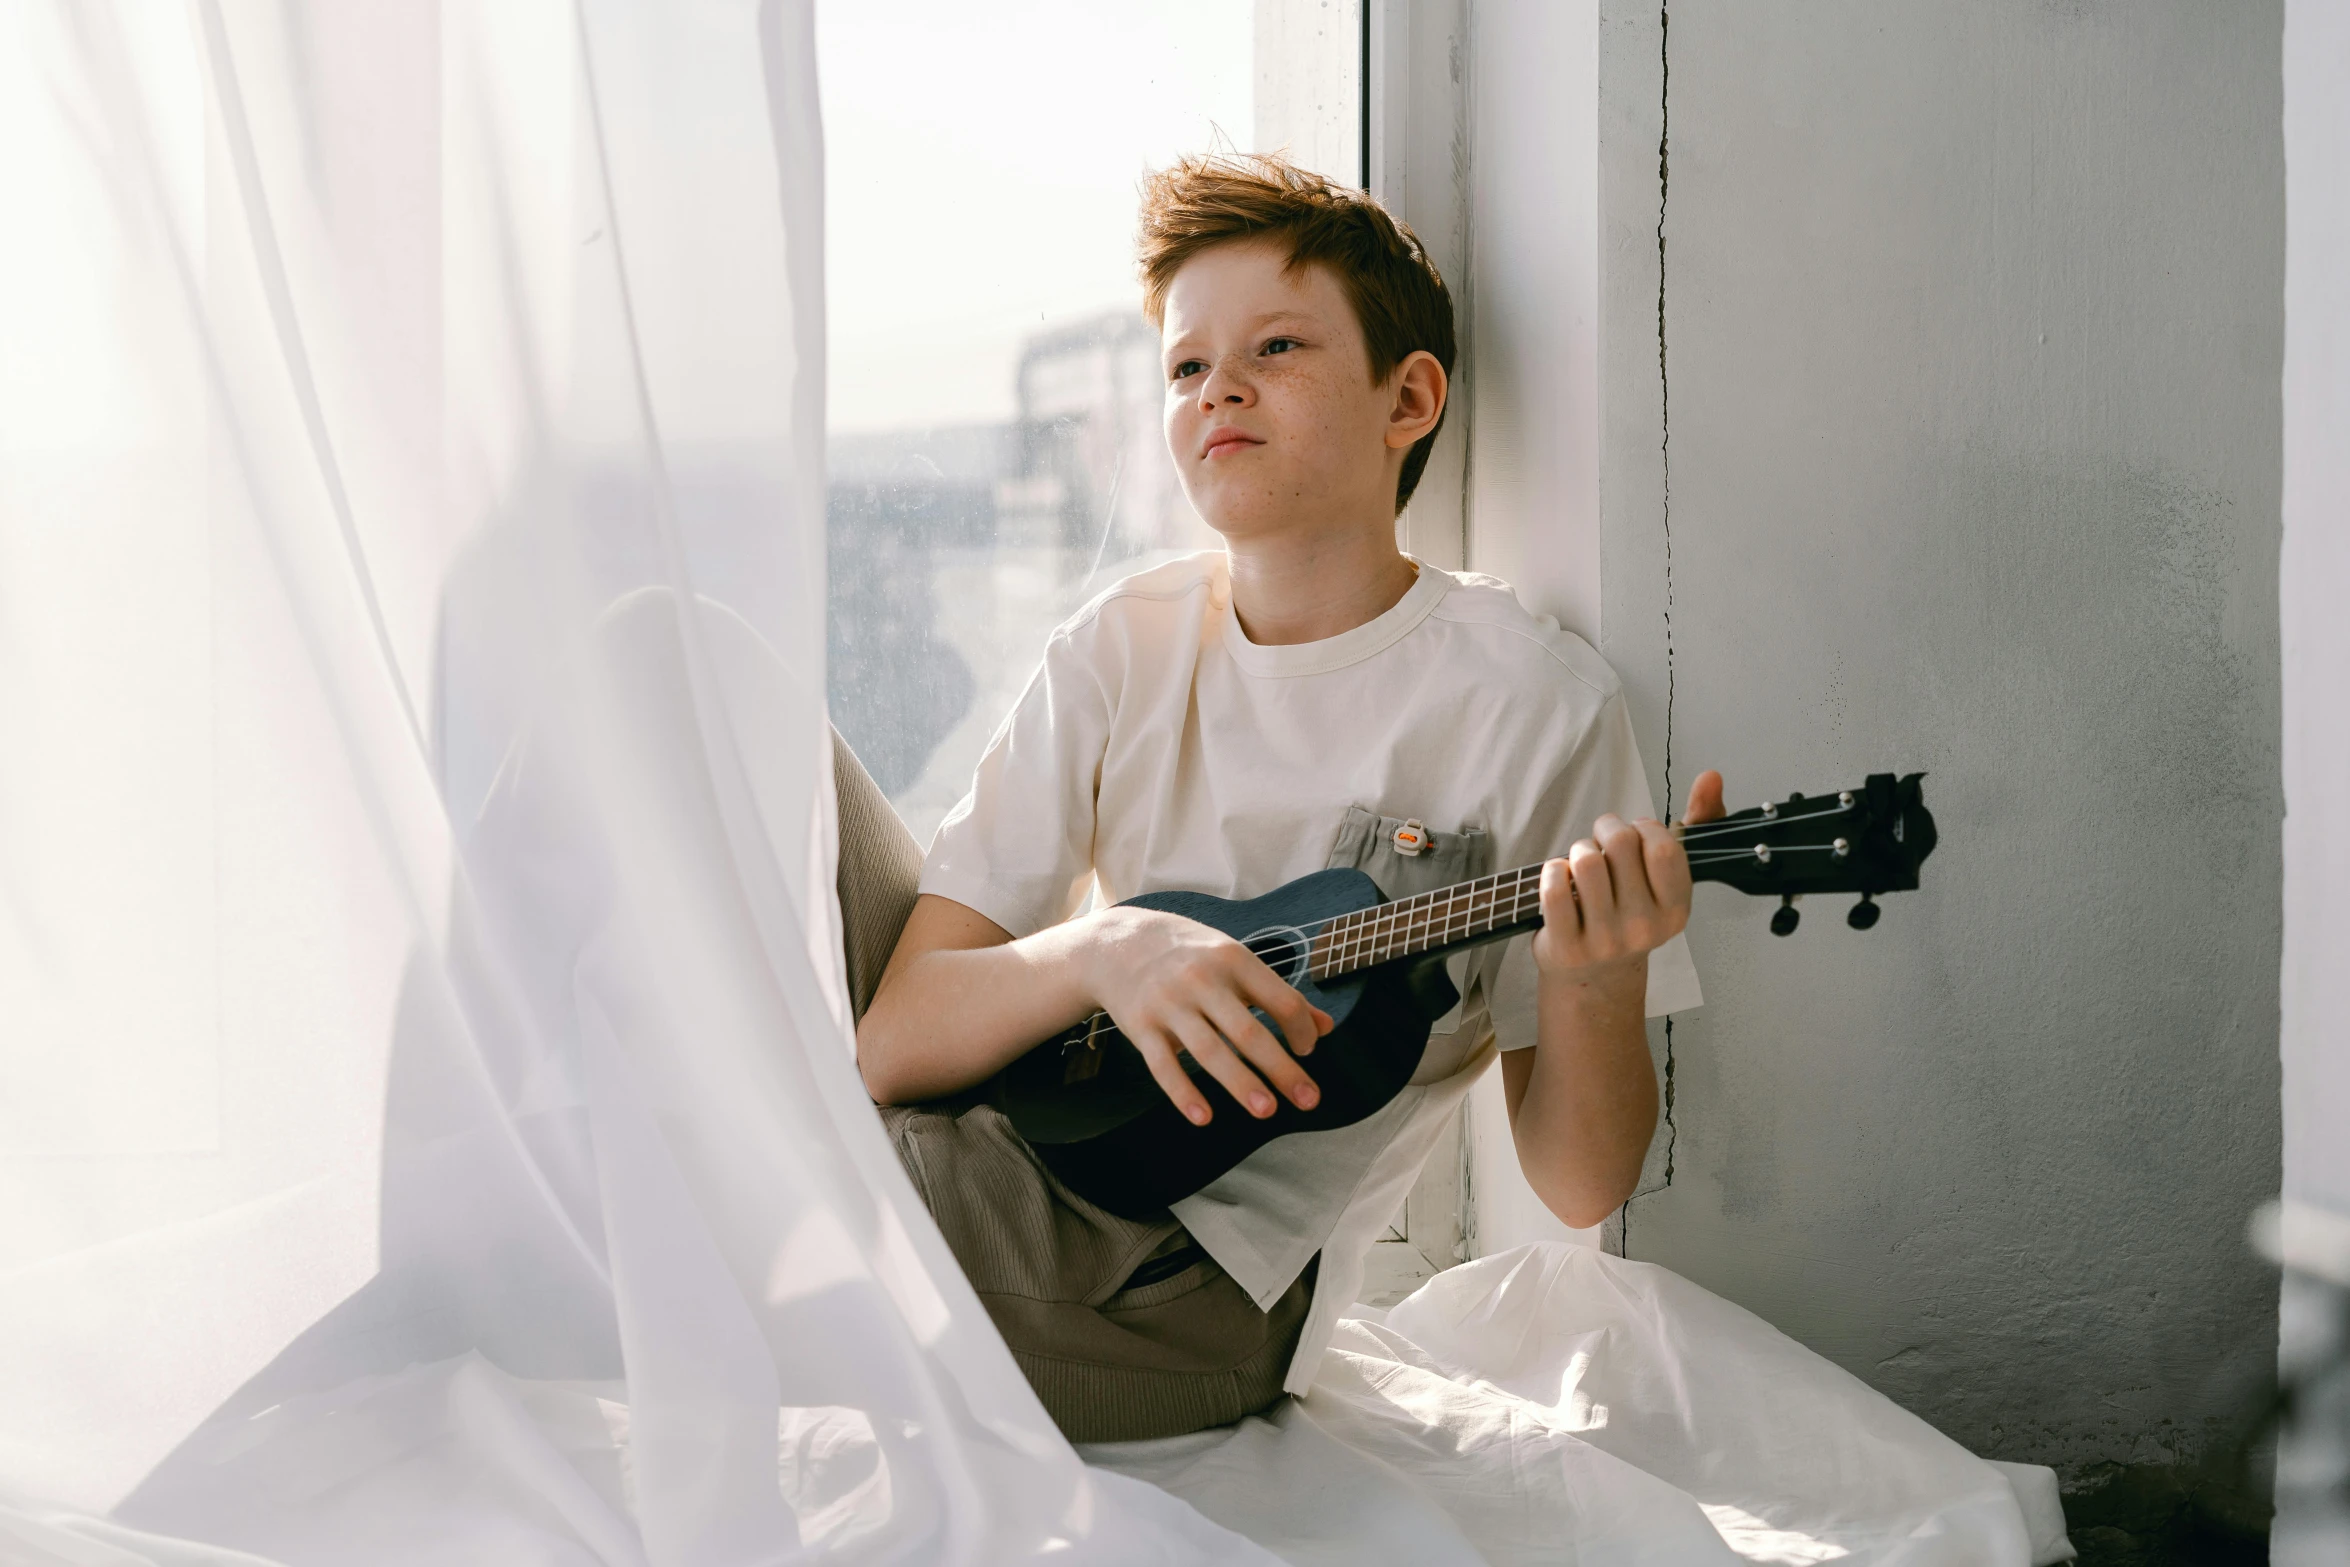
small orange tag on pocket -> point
(1411, 839)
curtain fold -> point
(427, 1116)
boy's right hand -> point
(1172, 984)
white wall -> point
(2314, 588)
(2315, 583)
(1534, 303)
(1419, 158)
(1972, 337)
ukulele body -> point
(1086, 1102)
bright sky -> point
(981, 163)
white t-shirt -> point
(1158, 748)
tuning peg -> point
(1863, 914)
(1785, 917)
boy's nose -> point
(1225, 388)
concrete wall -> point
(2313, 1237)
(1963, 456)
(2316, 589)
(1533, 297)
(1419, 160)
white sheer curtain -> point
(427, 1127)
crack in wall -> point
(1664, 185)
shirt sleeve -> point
(1604, 774)
(1019, 848)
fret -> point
(1463, 912)
(1369, 937)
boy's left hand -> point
(1622, 892)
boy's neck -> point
(1292, 588)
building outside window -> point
(996, 456)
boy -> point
(1229, 722)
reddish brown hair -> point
(1398, 298)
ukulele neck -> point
(1467, 914)
(1867, 840)
(1464, 915)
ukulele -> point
(1085, 1099)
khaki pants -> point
(1125, 1329)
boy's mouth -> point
(1227, 440)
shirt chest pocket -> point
(1373, 844)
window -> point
(995, 450)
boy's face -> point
(1272, 415)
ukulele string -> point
(1388, 920)
(1483, 900)
(1392, 919)
(1716, 829)
(1485, 903)
(1718, 856)
(1518, 906)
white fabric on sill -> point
(1544, 1405)
(1157, 747)
(1556, 1404)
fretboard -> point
(1466, 913)
(1455, 916)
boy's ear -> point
(1419, 388)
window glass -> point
(995, 397)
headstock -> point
(1866, 840)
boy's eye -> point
(1280, 345)
(1187, 369)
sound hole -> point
(1283, 949)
